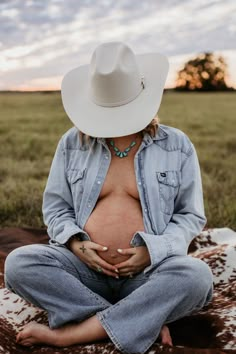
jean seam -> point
(117, 304)
(95, 296)
(80, 274)
(11, 289)
(150, 343)
(98, 297)
(85, 276)
(109, 330)
(73, 268)
(114, 338)
(8, 286)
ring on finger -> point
(99, 269)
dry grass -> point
(32, 123)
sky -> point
(41, 40)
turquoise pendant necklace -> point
(124, 153)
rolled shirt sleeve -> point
(57, 206)
(188, 218)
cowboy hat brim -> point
(100, 121)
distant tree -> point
(206, 72)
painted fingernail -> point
(119, 250)
(104, 248)
(116, 270)
(117, 277)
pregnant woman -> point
(122, 203)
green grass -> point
(32, 123)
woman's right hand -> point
(86, 251)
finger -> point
(125, 264)
(129, 269)
(126, 251)
(114, 275)
(97, 247)
(107, 272)
(102, 270)
(126, 273)
(104, 264)
(132, 271)
(94, 261)
(126, 270)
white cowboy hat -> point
(117, 94)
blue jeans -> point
(131, 310)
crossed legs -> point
(88, 331)
(177, 287)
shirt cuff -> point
(158, 247)
(69, 230)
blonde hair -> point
(151, 129)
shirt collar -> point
(160, 134)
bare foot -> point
(87, 331)
(34, 332)
(165, 336)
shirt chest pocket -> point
(168, 182)
(76, 179)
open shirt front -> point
(168, 180)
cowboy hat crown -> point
(114, 63)
(118, 93)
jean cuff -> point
(109, 332)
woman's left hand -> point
(139, 259)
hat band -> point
(115, 104)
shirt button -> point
(106, 157)
(145, 210)
(89, 205)
(98, 182)
(139, 183)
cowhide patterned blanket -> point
(209, 331)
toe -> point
(19, 336)
(26, 343)
(24, 333)
(165, 336)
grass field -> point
(32, 123)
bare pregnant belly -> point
(113, 222)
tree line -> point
(205, 72)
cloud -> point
(40, 38)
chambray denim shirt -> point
(168, 179)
